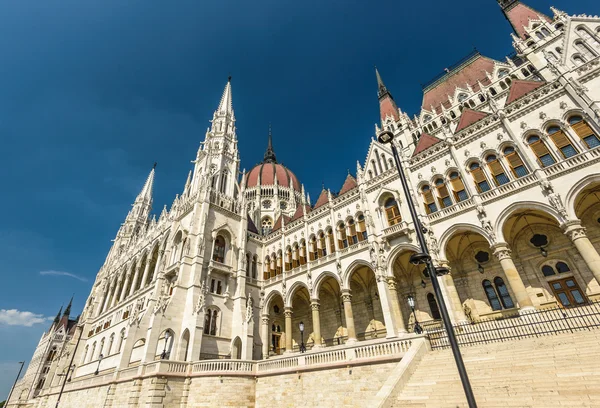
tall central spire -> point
(387, 105)
(270, 153)
(381, 89)
(226, 104)
(146, 193)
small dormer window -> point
(462, 97)
(502, 73)
(426, 118)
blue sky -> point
(93, 92)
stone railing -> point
(224, 366)
(581, 159)
(508, 188)
(453, 209)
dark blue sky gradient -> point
(93, 92)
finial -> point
(229, 78)
(270, 153)
(154, 165)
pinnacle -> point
(146, 193)
(270, 153)
(226, 104)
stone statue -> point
(468, 312)
(249, 309)
(309, 282)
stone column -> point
(124, 289)
(576, 233)
(288, 329)
(316, 321)
(146, 271)
(161, 254)
(266, 341)
(135, 280)
(115, 296)
(502, 252)
(455, 303)
(347, 299)
(384, 301)
(392, 284)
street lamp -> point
(100, 357)
(411, 303)
(16, 379)
(164, 353)
(387, 137)
(302, 346)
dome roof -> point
(265, 174)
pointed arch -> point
(461, 227)
(321, 278)
(269, 298)
(577, 188)
(521, 205)
(397, 251)
(292, 291)
(347, 275)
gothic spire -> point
(387, 105)
(381, 89)
(226, 105)
(270, 153)
(57, 318)
(146, 193)
(68, 309)
(519, 15)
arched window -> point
(561, 141)
(502, 73)
(302, 252)
(493, 91)
(524, 71)
(541, 151)
(559, 50)
(552, 268)
(296, 256)
(584, 131)
(279, 264)
(479, 177)
(121, 340)
(374, 167)
(267, 225)
(496, 169)
(514, 161)
(452, 115)
(111, 340)
(85, 354)
(313, 254)
(502, 291)
(385, 164)
(248, 265)
(435, 311)
(492, 297)
(502, 86)
(93, 353)
(545, 31)
(288, 259)
(223, 186)
(352, 236)
(584, 49)
(539, 35)
(579, 59)
(458, 187)
(219, 249)
(362, 228)
(378, 157)
(322, 250)
(462, 97)
(330, 240)
(428, 200)
(101, 351)
(342, 237)
(443, 194)
(392, 212)
(267, 268)
(562, 267)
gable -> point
(521, 88)
(469, 117)
(425, 142)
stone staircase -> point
(551, 371)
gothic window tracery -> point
(219, 249)
(584, 131)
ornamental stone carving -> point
(346, 296)
(315, 305)
(502, 252)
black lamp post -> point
(100, 357)
(302, 346)
(164, 353)
(16, 379)
(386, 137)
(411, 303)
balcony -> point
(395, 230)
(219, 266)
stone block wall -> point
(221, 392)
(340, 387)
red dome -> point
(265, 174)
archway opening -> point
(366, 304)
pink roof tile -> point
(322, 200)
(519, 16)
(278, 223)
(469, 117)
(425, 142)
(520, 88)
(299, 213)
(387, 107)
(469, 74)
(349, 184)
(269, 172)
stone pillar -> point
(161, 254)
(316, 321)
(288, 329)
(266, 341)
(576, 233)
(124, 289)
(347, 299)
(502, 252)
(146, 271)
(455, 303)
(392, 285)
(115, 296)
(386, 310)
(135, 279)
